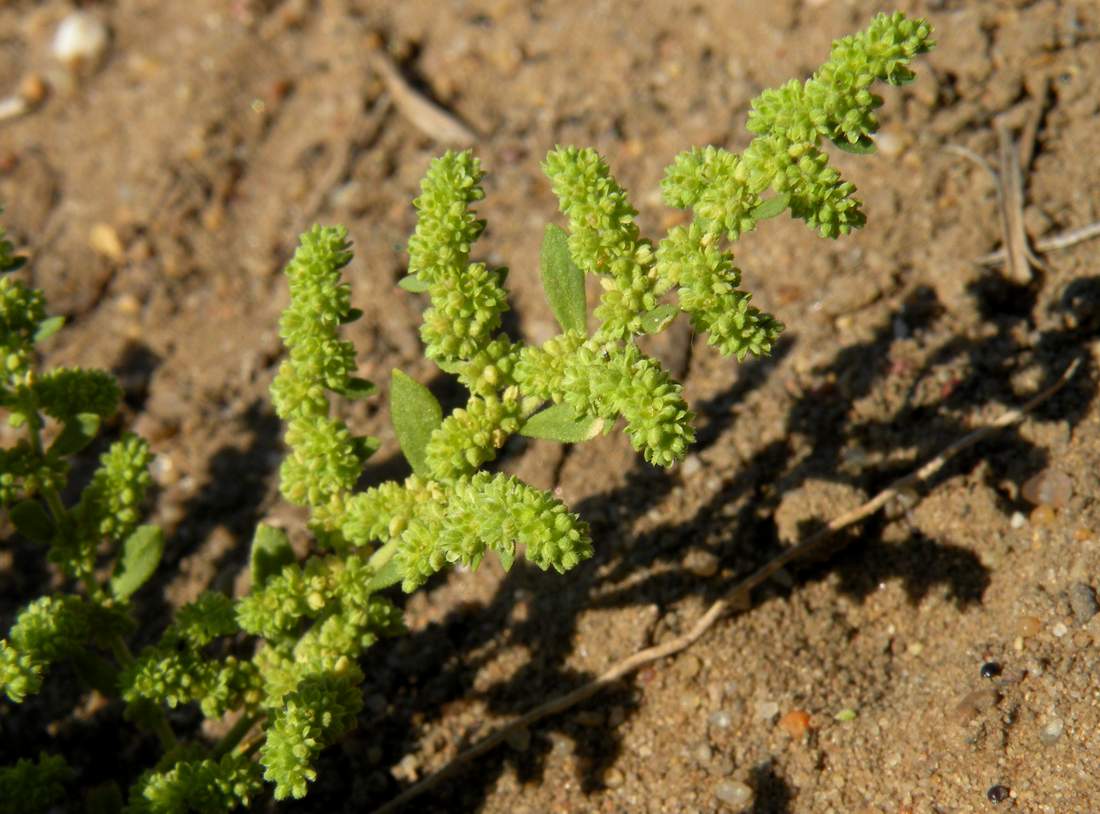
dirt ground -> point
(159, 192)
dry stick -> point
(424, 114)
(732, 601)
(1062, 240)
(1021, 259)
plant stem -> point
(158, 720)
(382, 555)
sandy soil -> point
(159, 193)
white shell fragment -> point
(80, 41)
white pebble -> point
(690, 466)
(80, 40)
(733, 792)
(1018, 520)
(1052, 731)
(720, 719)
(1059, 630)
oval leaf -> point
(560, 423)
(48, 327)
(32, 521)
(140, 557)
(771, 207)
(389, 574)
(415, 414)
(271, 553)
(410, 282)
(654, 321)
(77, 434)
(562, 281)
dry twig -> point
(424, 114)
(736, 599)
(1016, 252)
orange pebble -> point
(795, 723)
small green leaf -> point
(410, 282)
(507, 558)
(48, 327)
(560, 423)
(271, 553)
(771, 207)
(389, 574)
(655, 320)
(454, 368)
(415, 414)
(32, 521)
(865, 146)
(846, 715)
(76, 435)
(357, 388)
(562, 281)
(140, 556)
(351, 316)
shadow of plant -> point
(743, 540)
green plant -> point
(297, 690)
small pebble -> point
(104, 239)
(720, 719)
(766, 710)
(1052, 731)
(795, 723)
(687, 667)
(408, 768)
(998, 794)
(734, 793)
(33, 89)
(1051, 487)
(613, 778)
(974, 702)
(991, 669)
(702, 753)
(1082, 599)
(690, 466)
(80, 41)
(1018, 520)
(1041, 516)
(1059, 630)
(700, 563)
